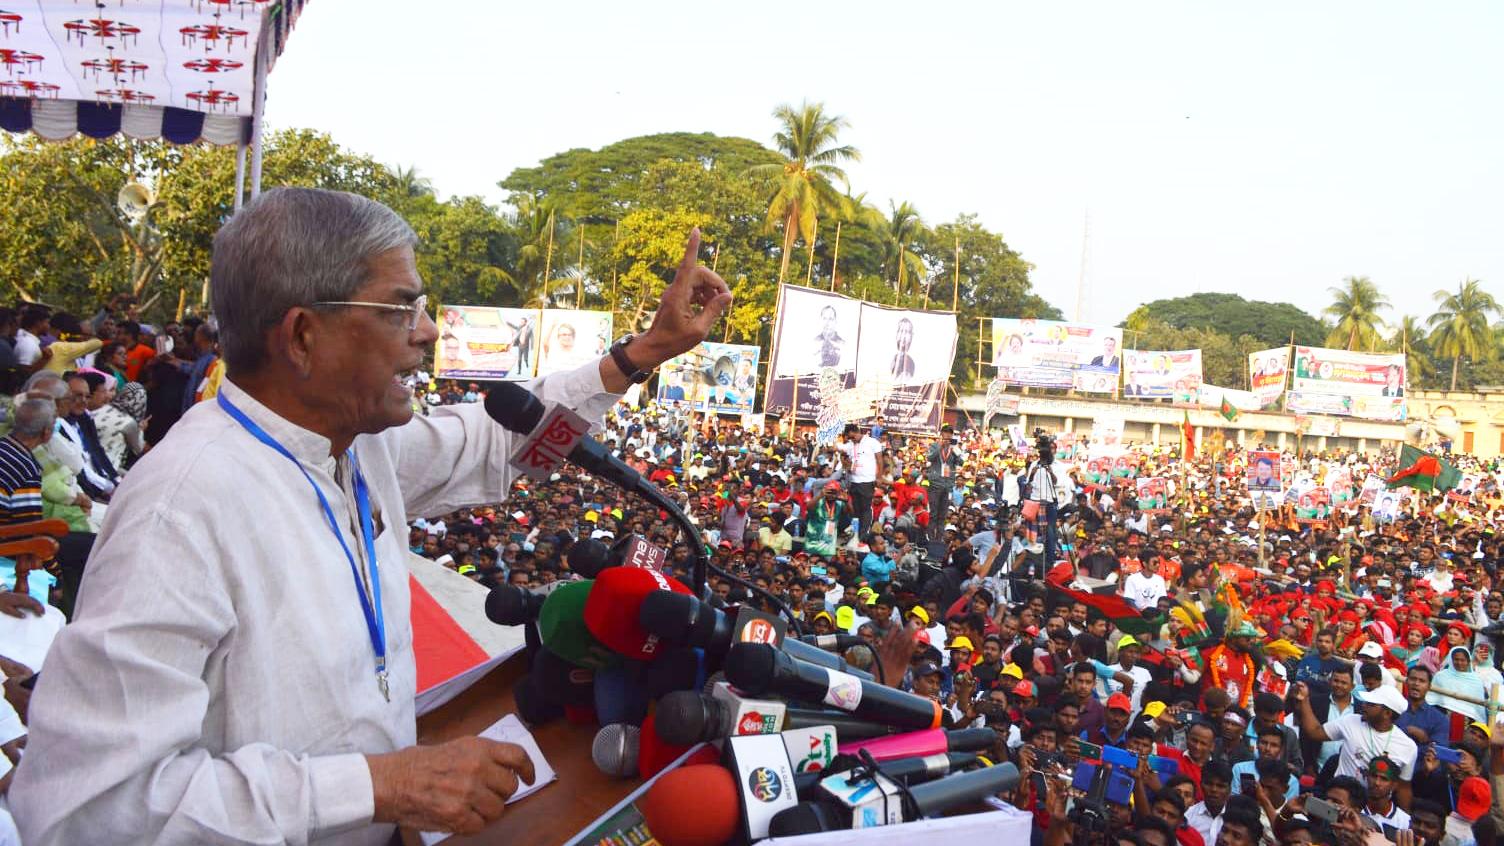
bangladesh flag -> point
(1123, 615)
(1228, 410)
(1423, 471)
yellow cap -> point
(961, 642)
(1154, 709)
(1127, 640)
(865, 593)
(1483, 728)
(591, 517)
(825, 614)
(1014, 671)
(845, 617)
(923, 615)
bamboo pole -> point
(579, 294)
(809, 272)
(836, 258)
(955, 296)
(182, 301)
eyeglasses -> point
(414, 310)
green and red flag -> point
(1423, 471)
(1228, 410)
(1115, 608)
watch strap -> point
(624, 363)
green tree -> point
(804, 180)
(1355, 306)
(1273, 324)
(1410, 338)
(904, 229)
(1459, 328)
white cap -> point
(1384, 695)
(1371, 650)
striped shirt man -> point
(20, 484)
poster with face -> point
(1371, 487)
(1151, 495)
(816, 332)
(712, 377)
(481, 342)
(1339, 485)
(572, 338)
(1264, 470)
(1313, 506)
(1386, 506)
(906, 356)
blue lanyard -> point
(369, 605)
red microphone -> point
(611, 611)
(654, 753)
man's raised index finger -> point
(691, 255)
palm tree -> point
(1459, 328)
(1356, 306)
(1410, 338)
(409, 184)
(534, 225)
(903, 228)
(803, 183)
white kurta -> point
(218, 685)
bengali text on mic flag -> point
(547, 449)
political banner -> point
(712, 377)
(907, 378)
(1466, 487)
(572, 338)
(1211, 396)
(816, 333)
(1264, 471)
(1266, 374)
(999, 401)
(1339, 485)
(1352, 384)
(482, 342)
(1371, 487)
(1152, 498)
(1054, 354)
(1386, 506)
(1162, 374)
(1313, 506)
(1107, 431)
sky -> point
(1266, 149)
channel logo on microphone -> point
(765, 785)
(754, 722)
(760, 631)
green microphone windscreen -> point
(561, 625)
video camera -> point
(1044, 444)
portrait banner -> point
(815, 332)
(1162, 374)
(1266, 374)
(1264, 471)
(572, 338)
(1366, 385)
(906, 355)
(1107, 431)
(1055, 354)
(1211, 396)
(1152, 496)
(712, 377)
(482, 342)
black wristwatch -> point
(624, 362)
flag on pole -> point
(1187, 438)
(1228, 410)
(1423, 471)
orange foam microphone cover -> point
(692, 806)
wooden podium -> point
(558, 812)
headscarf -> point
(1453, 680)
(131, 399)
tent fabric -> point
(184, 72)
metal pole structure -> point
(258, 110)
(836, 258)
(579, 294)
(240, 174)
(955, 294)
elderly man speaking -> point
(241, 667)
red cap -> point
(1473, 798)
(1120, 701)
(1024, 688)
(611, 609)
(709, 789)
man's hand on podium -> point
(460, 786)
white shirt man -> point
(1145, 588)
(863, 457)
(1361, 743)
(28, 347)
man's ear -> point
(295, 341)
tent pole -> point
(240, 174)
(258, 109)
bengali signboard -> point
(1266, 374)
(572, 338)
(482, 342)
(1055, 354)
(1162, 374)
(1350, 384)
(712, 377)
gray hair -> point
(293, 247)
(34, 418)
(46, 382)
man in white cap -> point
(1364, 737)
(1372, 653)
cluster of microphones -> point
(807, 743)
(778, 736)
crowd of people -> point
(1273, 675)
(1275, 678)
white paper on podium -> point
(509, 729)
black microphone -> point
(509, 605)
(588, 558)
(910, 771)
(930, 798)
(838, 642)
(682, 619)
(687, 717)
(757, 668)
